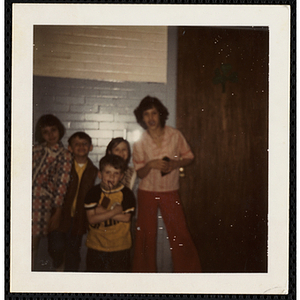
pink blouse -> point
(173, 146)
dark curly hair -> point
(113, 160)
(48, 120)
(147, 103)
(114, 143)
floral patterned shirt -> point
(50, 177)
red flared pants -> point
(184, 254)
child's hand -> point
(100, 209)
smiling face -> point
(110, 177)
(80, 147)
(121, 150)
(51, 135)
(151, 118)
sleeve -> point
(128, 199)
(184, 148)
(132, 180)
(34, 157)
(63, 168)
(92, 197)
(36, 160)
(138, 156)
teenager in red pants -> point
(157, 157)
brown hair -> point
(82, 135)
(147, 103)
(114, 143)
(113, 160)
(48, 120)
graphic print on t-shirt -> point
(110, 235)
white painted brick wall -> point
(100, 133)
(104, 110)
(84, 108)
(117, 53)
(71, 116)
(86, 125)
(102, 141)
(59, 107)
(99, 117)
(100, 100)
(125, 118)
(112, 125)
(69, 100)
(119, 133)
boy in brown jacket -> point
(65, 243)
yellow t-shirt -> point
(110, 235)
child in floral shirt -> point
(51, 166)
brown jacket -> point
(80, 224)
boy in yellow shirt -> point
(109, 208)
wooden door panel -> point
(225, 190)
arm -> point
(162, 166)
(139, 159)
(122, 217)
(185, 154)
(64, 166)
(158, 164)
(176, 164)
(94, 216)
(128, 206)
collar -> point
(56, 148)
(115, 190)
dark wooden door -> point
(222, 110)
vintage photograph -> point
(90, 81)
(152, 150)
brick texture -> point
(101, 109)
(117, 53)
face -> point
(121, 150)
(151, 118)
(110, 177)
(80, 147)
(51, 135)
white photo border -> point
(277, 18)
